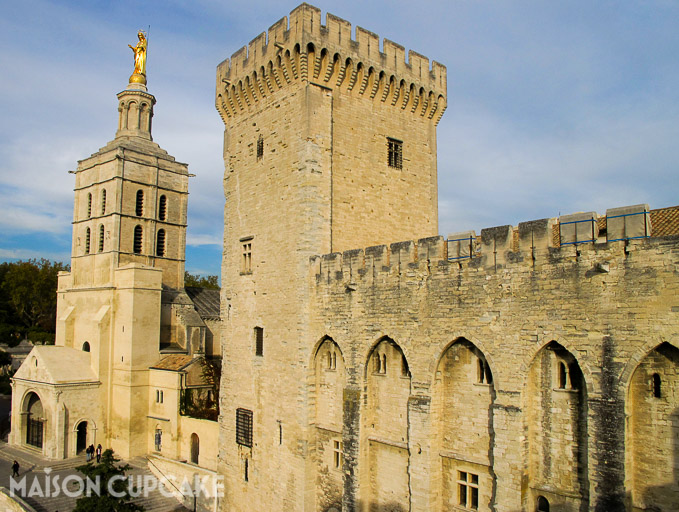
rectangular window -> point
(244, 427)
(395, 153)
(338, 457)
(259, 341)
(246, 262)
(260, 147)
(468, 490)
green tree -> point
(198, 281)
(119, 500)
(28, 300)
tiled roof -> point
(205, 300)
(665, 221)
(174, 362)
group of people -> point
(90, 451)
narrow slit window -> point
(657, 385)
(247, 257)
(395, 153)
(260, 147)
(337, 455)
(160, 243)
(138, 238)
(103, 202)
(89, 205)
(259, 341)
(139, 210)
(101, 238)
(87, 241)
(562, 376)
(162, 208)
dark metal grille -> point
(244, 427)
(395, 153)
(34, 432)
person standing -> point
(98, 453)
(15, 469)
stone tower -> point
(330, 145)
(129, 235)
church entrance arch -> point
(35, 420)
(81, 437)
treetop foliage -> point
(198, 281)
(28, 300)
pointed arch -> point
(556, 418)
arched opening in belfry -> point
(652, 436)
(329, 381)
(556, 411)
(462, 422)
(385, 451)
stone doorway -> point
(81, 437)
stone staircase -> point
(154, 502)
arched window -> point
(162, 208)
(562, 375)
(195, 448)
(543, 504)
(103, 202)
(87, 241)
(160, 243)
(657, 384)
(139, 210)
(89, 205)
(86, 346)
(137, 239)
(101, 237)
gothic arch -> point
(639, 355)
(530, 359)
(556, 416)
(462, 419)
(652, 411)
(327, 416)
(480, 345)
(384, 432)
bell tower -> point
(130, 201)
(129, 238)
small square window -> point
(395, 153)
(468, 490)
(244, 427)
(337, 455)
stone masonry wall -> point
(598, 307)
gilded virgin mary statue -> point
(139, 74)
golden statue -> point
(139, 74)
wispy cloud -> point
(553, 107)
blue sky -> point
(553, 106)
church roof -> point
(57, 365)
(205, 300)
(174, 362)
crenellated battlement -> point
(301, 49)
(529, 244)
